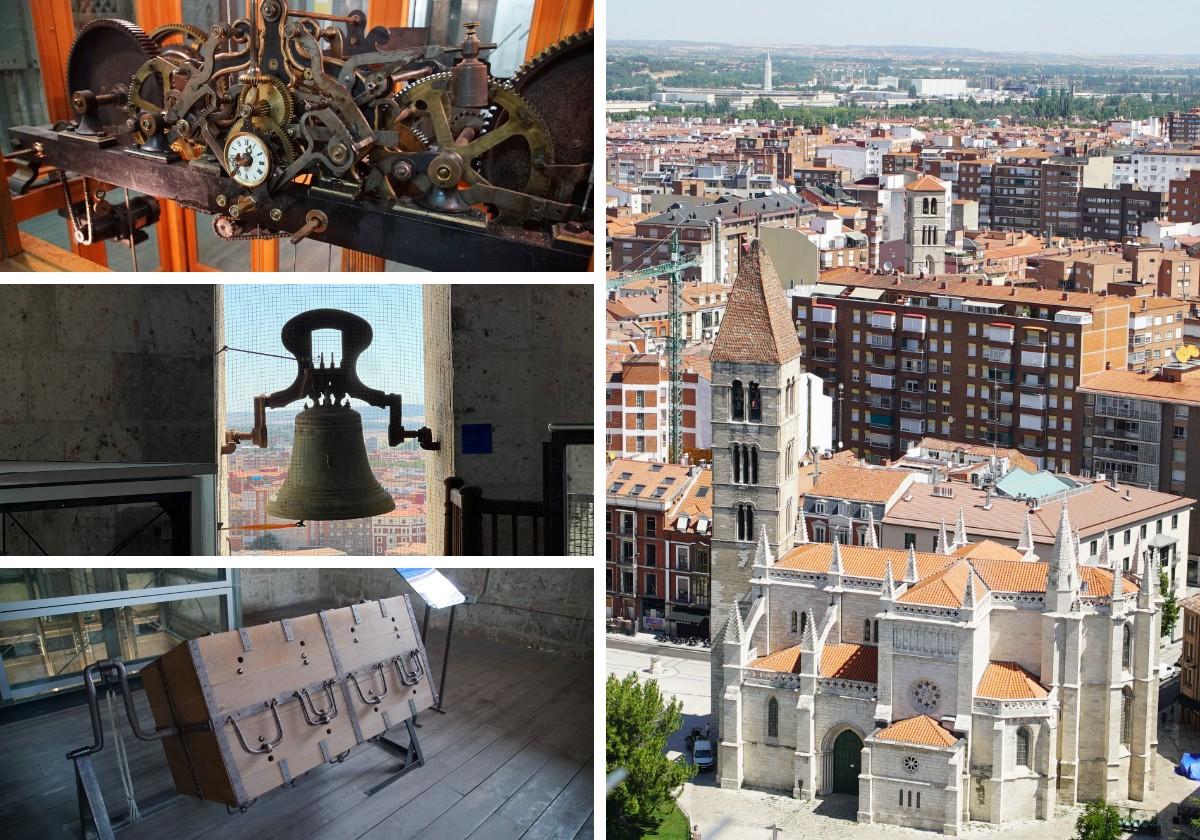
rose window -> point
(926, 694)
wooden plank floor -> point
(511, 759)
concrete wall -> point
(546, 609)
(268, 590)
(523, 358)
(110, 373)
(516, 357)
(114, 373)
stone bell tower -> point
(925, 226)
(757, 425)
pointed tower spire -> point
(762, 552)
(872, 539)
(889, 585)
(960, 529)
(808, 639)
(943, 544)
(757, 327)
(835, 560)
(1025, 544)
(910, 572)
(801, 535)
(1104, 560)
(1147, 585)
(1117, 594)
(735, 632)
(1078, 548)
(970, 598)
(1061, 573)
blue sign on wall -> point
(477, 438)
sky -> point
(1096, 26)
(255, 315)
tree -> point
(1170, 607)
(1099, 821)
(638, 722)
(267, 542)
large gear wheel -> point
(554, 83)
(187, 31)
(520, 133)
(265, 100)
(149, 85)
(104, 57)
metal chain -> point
(237, 237)
(87, 208)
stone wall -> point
(268, 590)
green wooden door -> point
(847, 751)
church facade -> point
(973, 682)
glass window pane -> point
(40, 650)
(22, 98)
(113, 527)
(40, 584)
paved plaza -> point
(733, 815)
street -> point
(752, 815)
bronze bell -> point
(328, 476)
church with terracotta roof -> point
(971, 682)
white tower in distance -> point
(767, 74)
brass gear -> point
(141, 99)
(160, 35)
(260, 87)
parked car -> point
(1167, 672)
(702, 755)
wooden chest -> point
(258, 707)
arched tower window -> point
(867, 630)
(933, 206)
(1126, 714)
(1022, 747)
(736, 451)
(752, 478)
(925, 205)
(745, 522)
(795, 621)
(755, 403)
(737, 401)
(875, 631)
(1126, 647)
(772, 718)
(803, 622)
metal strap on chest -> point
(244, 635)
(287, 630)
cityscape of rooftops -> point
(902, 407)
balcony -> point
(911, 345)
(1129, 456)
(880, 320)
(1003, 376)
(881, 381)
(823, 354)
(883, 342)
(1033, 358)
(1037, 401)
(876, 401)
(914, 323)
(879, 421)
(823, 313)
(1000, 333)
(911, 426)
(913, 406)
(825, 336)
(1004, 398)
(1036, 384)
(878, 440)
(1033, 422)
(1107, 408)
(998, 355)
(885, 363)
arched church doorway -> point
(847, 761)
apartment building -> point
(1144, 428)
(1062, 180)
(975, 184)
(638, 407)
(1189, 662)
(1184, 126)
(658, 532)
(1017, 190)
(1183, 198)
(1154, 169)
(958, 358)
(1118, 214)
(711, 231)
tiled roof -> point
(785, 661)
(1099, 581)
(757, 327)
(697, 503)
(646, 480)
(859, 484)
(850, 662)
(921, 729)
(1130, 384)
(944, 588)
(1016, 458)
(926, 183)
(1008, 681)
(860, 561)
(1095, 509)
(988, 550)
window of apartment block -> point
(946, 368)
(971, 370)
(1174, 520)
(1128, 536)
(652, 585)
(856, 318)
(971, 390)
(1179, 456)
(1179, 432)
(650, 526)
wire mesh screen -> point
(256, 362)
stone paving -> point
(750, 814)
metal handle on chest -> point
(418, 671)
(318, 717)
(376, 699)
(267, 746)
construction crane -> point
(674, 269)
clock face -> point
(248, 159)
